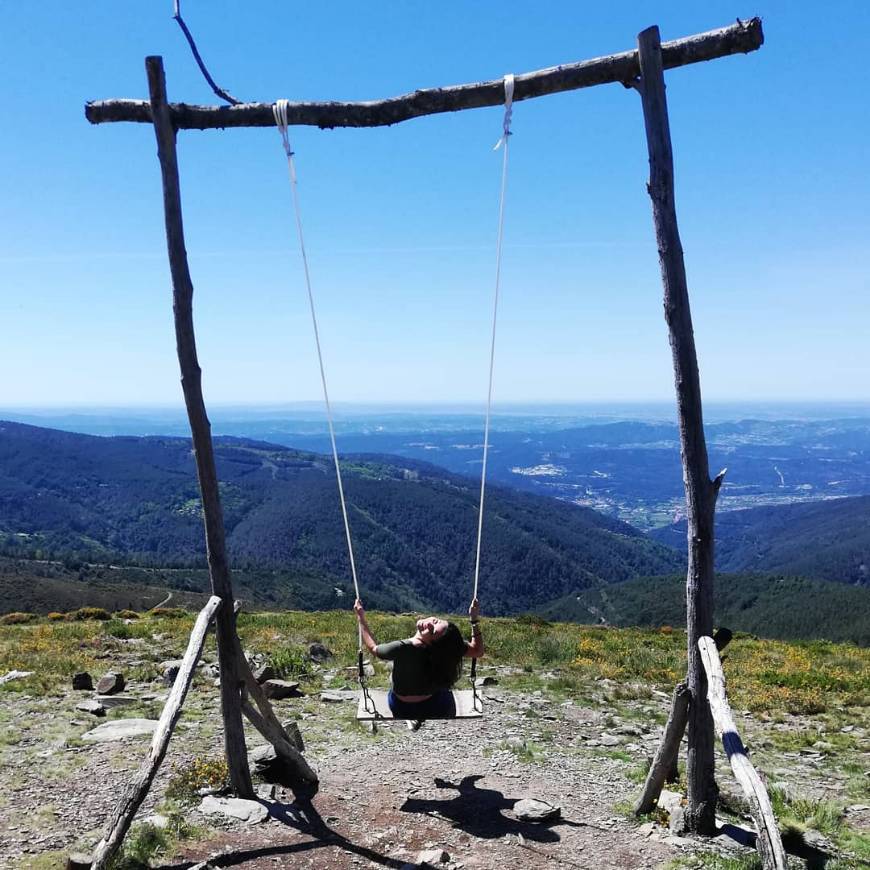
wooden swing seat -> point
(467, 706)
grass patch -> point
(715, 861)
(44, 861)
(168, 613)
(798, 814)
(773, 678)
(84, 613)
(144, 842)
(525, 751)
(616, 755)
(137, 710)
(16, 618)
(855, 843)
(147, 842)
(639, 771)
(290, 661)
(117, 628)
(200, 773)
(126, 614)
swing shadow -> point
(303, 816)
(479, 812)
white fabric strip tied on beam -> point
(508, 110)
(280, 111)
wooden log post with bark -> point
(769, 842)
(141, 782)
(235, 672)
(701, 491)
(191, 383)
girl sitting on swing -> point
(427, 665)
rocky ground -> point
(387, 796)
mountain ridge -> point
(828, 540)
(85, 498)
(768, 605)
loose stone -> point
(432, 858)
(120, 729)
(251, 812)
(317, 652)
(263, 673)
(83, 681)
(535, 810)
(93, 707)
(277, 689)
(111, 683)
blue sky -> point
(772, 192)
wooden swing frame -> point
(642, 70)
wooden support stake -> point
(664, 766)
(666, 755)
(701, 492)
(141, 782)
(274, 732)
(266, 722)
(741, 37)
(769, 842)
(191, 377)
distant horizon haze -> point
(463, 414)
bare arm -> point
(368, 640)
(474, 649)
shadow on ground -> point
(302, 816)
(794, 844)
(480, 812)
(477, 811)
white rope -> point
(280, 112)
(504, 141)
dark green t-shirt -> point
(409, 667)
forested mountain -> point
(824, 539)
(773, 606)
(135, 500)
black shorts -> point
(441, 705)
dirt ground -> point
(450, 787)
(383, 798)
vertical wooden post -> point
(182, 287)
(701, 492)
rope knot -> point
(279, 111)
(508, 110)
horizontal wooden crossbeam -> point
(739, 38)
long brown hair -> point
(444, 659)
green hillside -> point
(829, 539)
(767, 605)
(134, 501)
